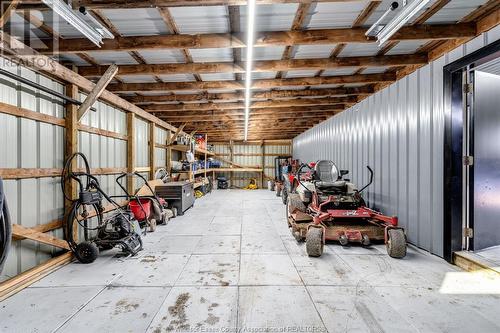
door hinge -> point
(468, 232)
(468, 88)
(468, 160)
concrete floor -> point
(231, 262)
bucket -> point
(139, 212)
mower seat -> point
(339, 186)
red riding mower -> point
(327, 207)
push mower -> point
(327, 207)
(86, 216)
(147, 208)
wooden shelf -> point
(185, 148)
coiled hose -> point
(5, 228)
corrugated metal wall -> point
(251, 156)
(25, 143)
(101, 151)
(399, 133)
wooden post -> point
(71, 141)
(152, 148)
(231, 157)
(168, 159)
(263, 147)
(130, 151)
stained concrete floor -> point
(230, 263)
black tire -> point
(365, 240)
(343, 240)
(284, 195)
(396, 243)
(86, 252)
(294, 203)
(314, 242)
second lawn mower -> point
(327, 207)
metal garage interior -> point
(228, 102)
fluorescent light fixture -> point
(94, 34)
(406, 13)
(378, 26)
(249, 59)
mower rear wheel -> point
(284, 195)
(314, 242)
(294, 203)
(86, 252)
(396, 243)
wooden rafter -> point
(255, 105)
(257, 84)
(6, 11)
(97, 91)
(360, 20)
(230, 97)
(261, 66)
(110, 4)
(297, 23)
(172, 26)
(269, 38)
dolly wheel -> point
(152, 225)
(284, 195)
(314, 242)
(86, 252)
(396, 243)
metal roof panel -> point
(197, 20)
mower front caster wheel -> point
(86, 252)
(396, 243)
(343, 240)
(314, 242)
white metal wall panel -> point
(399, 133)
(141, 143)
(26, 143)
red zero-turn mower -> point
(327, 207)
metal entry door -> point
(486, 161)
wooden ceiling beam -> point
(261, 66)
(297, 23)
(270, 38)
(256, 84)
(254, 105)
(292, 109)
(229, 97)
(115, 4)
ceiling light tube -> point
(378, 26)
(66, 12)
(249, 60)
(401, 19)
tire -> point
(314, 242)
(152, 225)
(294, 203)
(343, 240)
(278, 191)
(365, 241)
(396, 243)
(86, 252)
(284, 195)
(174, 211)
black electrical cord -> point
(5, 227)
